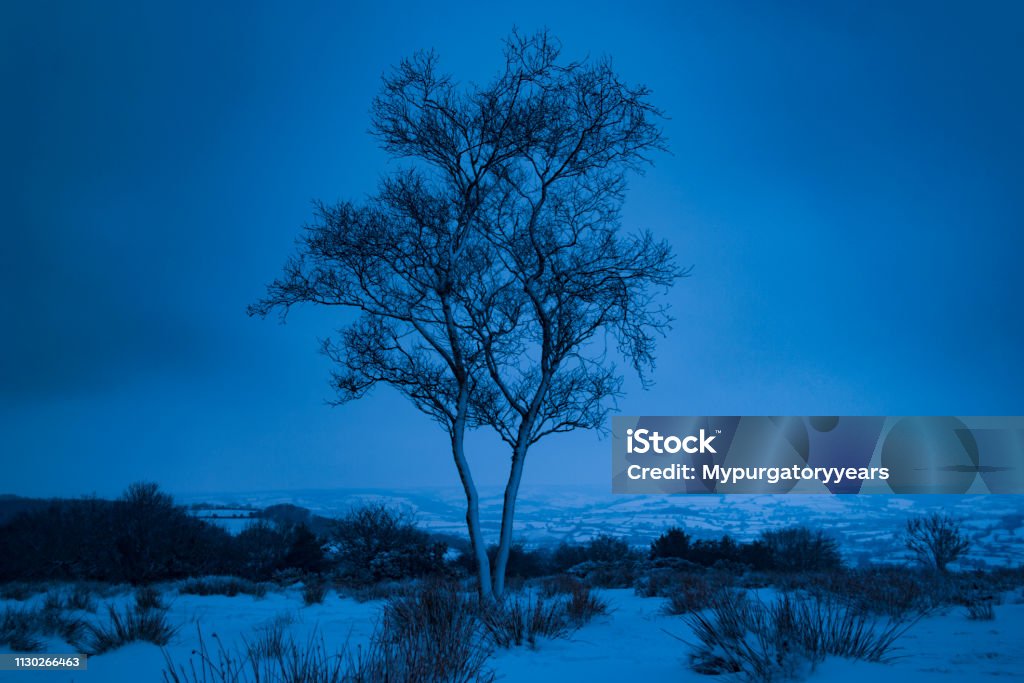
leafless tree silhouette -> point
(936, 540)
(491, 276)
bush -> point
(890, 591)
(583, 605)
(605, 548)
(147, 597)
(798, 549)
(53, 601)
(522, 563)
(600, 550)
(376, 544)
(274, 656)
(259, 550)
(674, 542)
(691, 593)
(659, 577)
(787, 550)
(222, 585)
(936, 540)
(709, 552)
(560, 584)
(520, 619)
(982, 610)
(139, 538)
(621, 574)
(305, 552)
(783, 639)
(80, 598)
(149, 625)
(22, 629)
(429, 635)
(567, 556)
(314, 592)
(19, 630)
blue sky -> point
(845, 178)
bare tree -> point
(397, 261)
(570, 282)
(936, 539)
(488, 274)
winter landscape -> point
(323, 323)
(382, 585)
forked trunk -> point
(476, 539)
(508, 512)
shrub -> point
(80, 598)
(765, 642)
(583, 605)
(889, 591)
(522, 563)
(798, 549)
(605, 548)
(314, 592)
(222, 585)
(259, 550)
(674, 542)
(984, 584)
(305, 552)
(148, 597)
(429, 635)
(520, 619)
(560, 584)
(19, 630)
(567, 555)
(375, 543)
(147, 625)
(659, 577)
(139, 538)
(982, 610)
(936, 540)
(708, 552)
(621, 574)
(273, 641)
(691, 593)
(53, 601)
(273, 657)
(600, 550)
(22, 629)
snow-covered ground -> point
(635, 642)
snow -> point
(338, 620)
(548, 515)
(635, 641)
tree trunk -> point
(508, 513)
(479, 547)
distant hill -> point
(868, 526)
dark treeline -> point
(143, 537)
(795, 549)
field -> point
(636, 640)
